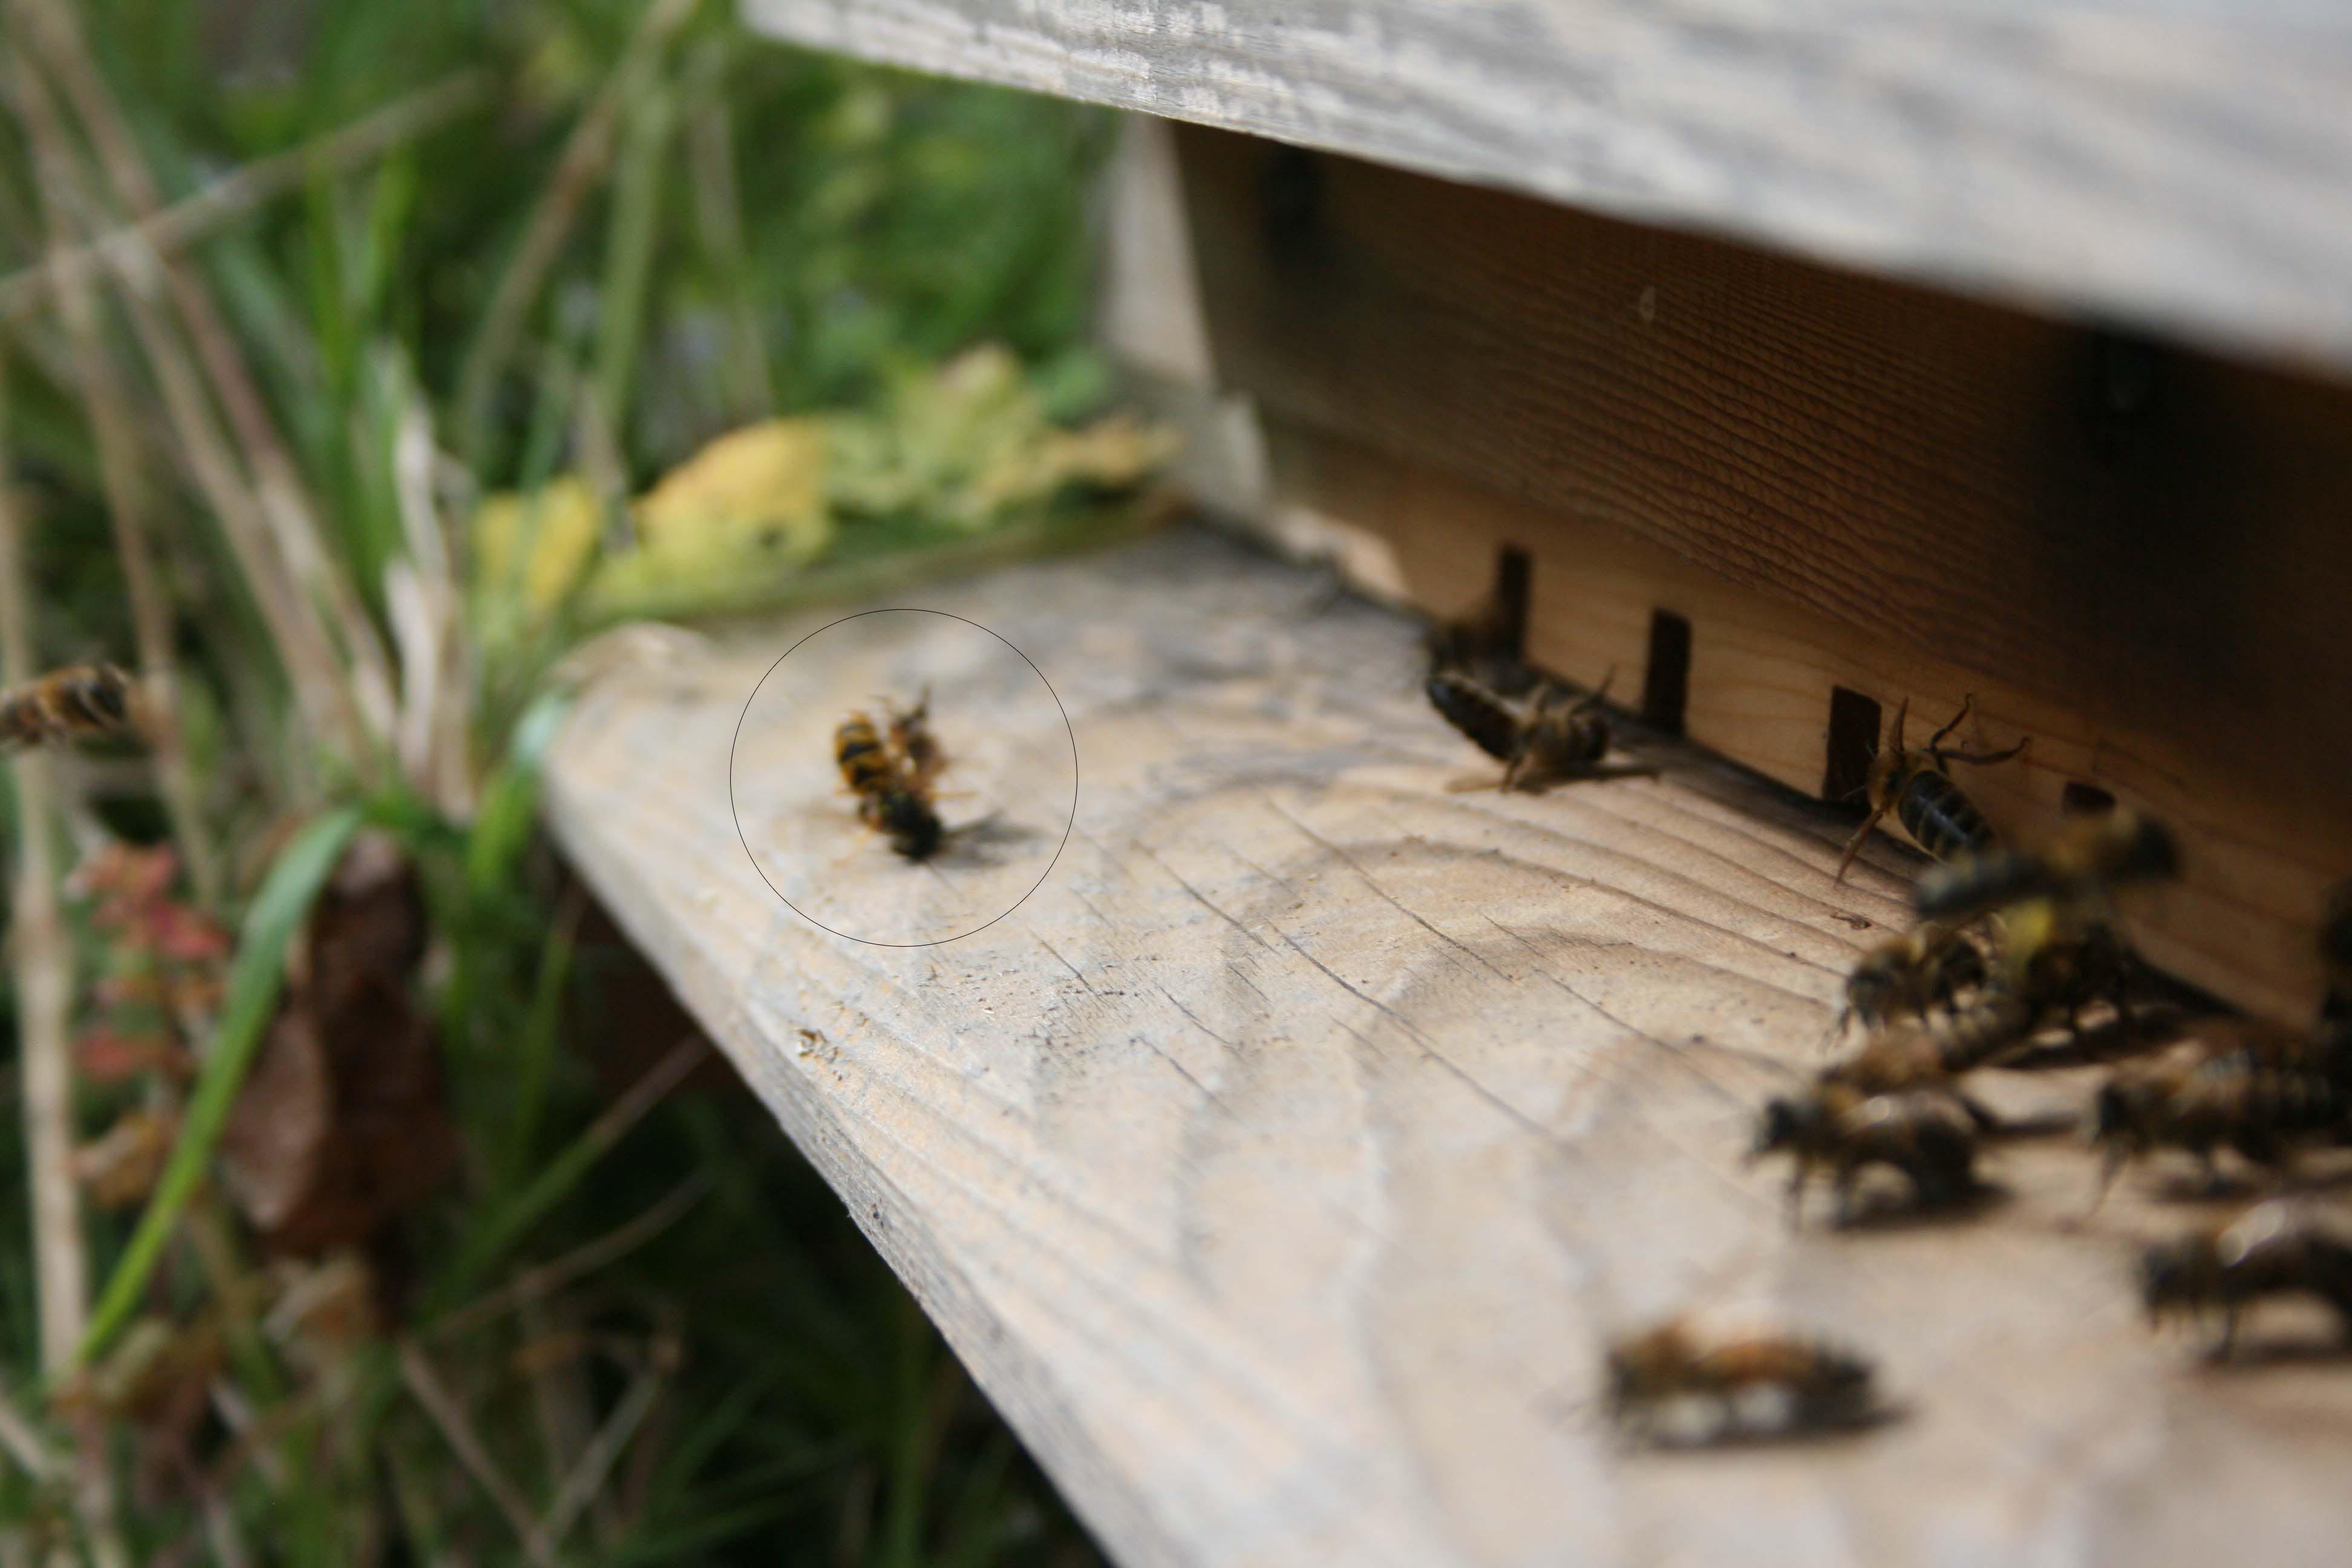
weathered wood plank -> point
(1279, 1166)
(2174, 162)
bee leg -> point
(1853, 844)
(1981, 759)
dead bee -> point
(1767, 1385)
(2199, 1101)
(1918, 787)
(2081, 861)
(2273, 1250)
(1552, 737)
(1924, 1133)
(892, 796)
(1907, 977)
(83, 701)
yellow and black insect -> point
(1927, 1133)
(1908, 976)
(1916, 785)
(1550, 738)
(2274, 1249)
(893, 794)
(84, 701)
(2082, 862)
(1745, 1385)
(2201, 1100)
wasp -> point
(1908, 976)
(893, 780)
(1761, 1384)
(2200, 1100)
(1925, 1132)
(2078, 864)
(2273, 1250)
(1916, 785)
(1551, 737)
(82, 701)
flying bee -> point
(2197, 1100)
(1907, 977)
(2056, 959)
(1917, 786)
(2273, 1250)
(1752, 1385)
(83, 701)
(893, 795)
(1924, 1133)
(2079, 863)
(1550, 738)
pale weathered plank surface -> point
(2181, 161)
(1280, 1164)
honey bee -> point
(1756, 1384)
(1917, 786)
(2274, 1249)
(2198, 1100)
(894, 793)
(2057, 960)
(1924, 1133)
(1933, 1054)
(82, 701)
(1907, 977)
(1550, 738)
(2079, 863)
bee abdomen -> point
(1477, 713)
(865, 766)
(1942, 821)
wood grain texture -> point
(1279, 1165)
(2242, 923)
(2150, 536)
(2174, 161)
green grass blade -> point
(258, 974)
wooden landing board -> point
(1279, 1166)
(2179, 163)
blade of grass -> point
(238, 191)
(506, 1223)
(255, 980)
(417, 1373)
(629, 249)
(536, 1284)
(577, 170)
(535, 1064)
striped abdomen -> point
(1478, 713)
(865, 766)
(1939, 819)
(86, 700)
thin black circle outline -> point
(744, 839)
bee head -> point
(2173, 1274)
(1784, 1124)
(108, 693)
(913, 827)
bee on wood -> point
(2199, 1101)
(1907, 977)
(1933, 1054)
(2081, 862)
(1550, 738)
(83, 701)
(894, 795)
(1917, 786)
(2273, 1250)
(1757, 1386)
(1924, 1133)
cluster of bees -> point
(894, 773)
(2011, 944)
